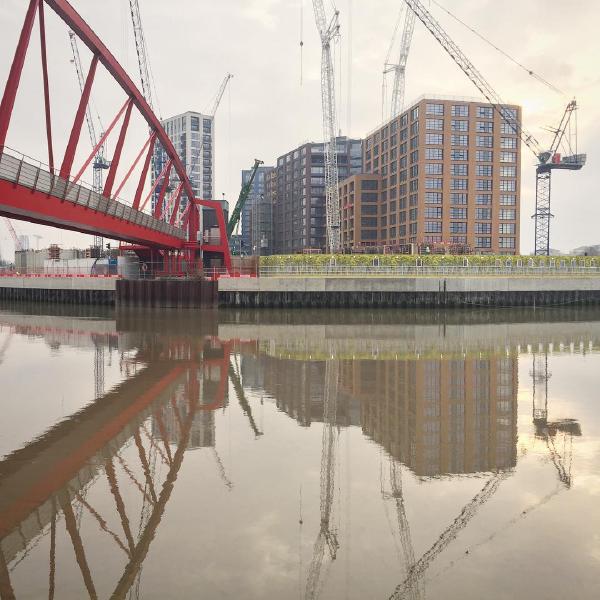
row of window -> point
(459, 154)
(481, 141)
(436, 183)
(462, 110)
(463, 169)
(460, 125)
(461, 198)
(483, 214)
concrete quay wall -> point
(67, 290)
(415, 292)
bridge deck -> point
(33, 194)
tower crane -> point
(328, 33)
(142, 51)
(548, 158)
(100, 163)
(407, 17)
(327, 536)
(234, 219)
(13, 234)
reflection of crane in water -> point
(234, 375)
(548, 430)
(327, 535)
(5, 346)
(416, 591)
(416, 572)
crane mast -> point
(548, 160)
(328, 33)
(142, 51)
(399, 68)
(13, 234)
(100, 163)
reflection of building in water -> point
(298, 386)
(439, 415)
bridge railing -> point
(15, 168)
(560, 268)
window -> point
(459, 125)
(483, 214)
(195, 123)
(433, 212)
(509, 143)
(508, 157)
(507, 228)
(434, 153)
(485, 228)
(485, 127)
(414, 185)
(485, 112)
(484, 156)
(458, 239)
(368, 222)
(509, 128)
(484, 141)
(507, 214)
(460, 140)
(508, 171)
(483, 242)
(459, 169)
(368, 197)
(508, 200)
(458, 198)
(458, 227)
(508, 185)
(414, 171)
(433, 168)
(509, 114)
(435, 124)
(484, 185)
(414, 128)
(433, 197)
(433, 227)
(434, 138)
(504, 242)
(460, 110)
(459, 154)
(414, 157)
(368, 184)
(483, 170)
(458, 213)
(413, 213)
(459, 184)
(483, 199)
(434, 109)
(433, 183)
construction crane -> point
(548, 430)
(399, 67)
(142, 51)
(5, 346)
(234, 219)
(13, 235)
(100, 163)
(547, 159)
(327, 536)
(329, 32)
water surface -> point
(299, 454)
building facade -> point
(298, 195)
(192, 135)
(256, 215)
(448, 174)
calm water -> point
(299, 454)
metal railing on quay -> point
(427, 270)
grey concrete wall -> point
(71, 290)
(408, 291)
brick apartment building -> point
(445, 172)
(298, 194)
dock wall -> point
(392, 292)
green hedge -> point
(359, 260)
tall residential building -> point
(192, 135)
(446, 172)
(298, 198)
(250, 221)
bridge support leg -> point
(14, 76)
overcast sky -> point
(266, 111)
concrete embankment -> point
(381, 292)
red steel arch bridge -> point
(53, 194)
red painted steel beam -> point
(46, 86)
(14, 76)
(144, 174)
(114, 165)
(156, 183)
(177, 202)
(163, 190)
(94, 151)
(37, 207)
(132, 167)
(65, 169)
